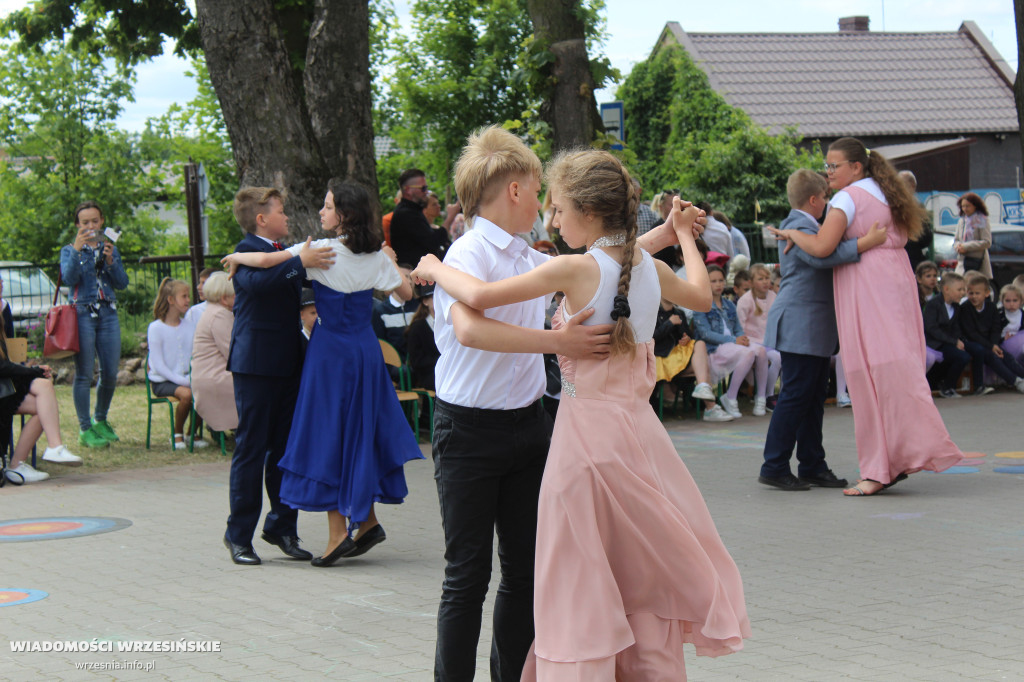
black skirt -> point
(10, 404)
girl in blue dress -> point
(349, 438)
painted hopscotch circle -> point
(56, 528)
(1011, 455)
(17, 597)
(1009, 470)
(961, 470)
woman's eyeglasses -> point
(831, 167)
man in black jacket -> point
(412, 236)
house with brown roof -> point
(940, 103)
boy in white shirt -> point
(491, 434)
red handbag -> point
(61, 338)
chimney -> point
(854, 23)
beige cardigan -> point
(977, 247)
(212, 383)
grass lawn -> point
(128, 417)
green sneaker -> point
(104, 430)
(91, 439)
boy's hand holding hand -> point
(743, 340)
(585, 341)
(782, 236)
(875, 237)
(319, 258)
(997, 351)
(684, 219)
(426, 270)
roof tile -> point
(869, 83)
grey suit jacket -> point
(803, 317)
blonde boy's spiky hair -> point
(491, 158)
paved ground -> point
(923, 582)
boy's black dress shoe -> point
(365, 541)
(825, 479)
(347, 545)
(784, 482)
(289, 544)
(242, 554)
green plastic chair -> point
(170, 401)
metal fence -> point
(760, 250)
(29, 290)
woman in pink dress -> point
(629, 565)
(899, 431)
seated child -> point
(842, 395)
(752, 309)
(675, 351)
(740, 285)
(942, 331)
(170, 352)
(307, 312)
(393, 314)
(776, 280)
(1010, 320)
(927, 274)
(729, 347)
(423, 352)
(196, 311)
(979, 324)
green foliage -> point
(452, 77)
(58, 131)
(196, 131)
(685, 135)
(129, 31)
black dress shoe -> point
(289, 544)
(242, 554)
(784, 482)
(347, 545)
(826, 479)
(365, 541)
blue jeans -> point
(100, 337)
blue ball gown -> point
(349, 437)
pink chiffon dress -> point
(881, 338)
(629, 564)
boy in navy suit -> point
(265, 360)
(802, 327)
(942, 331)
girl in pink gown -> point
(899, 430)
(629, 564)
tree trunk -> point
(337, 84)
(572, 109)
(1018, 84)
(271, 134)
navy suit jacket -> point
(939, 328)
(803, 317)
(265, 339)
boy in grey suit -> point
(802, 327)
